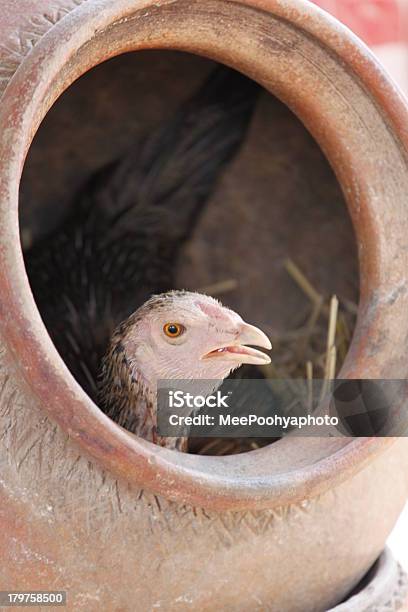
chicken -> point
(177, 335)
(121, 242)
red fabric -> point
(375, 21)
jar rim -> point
(96, 30)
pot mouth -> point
(303, 45)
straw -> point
(219, 288)
(314, 350)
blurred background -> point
(383, 25)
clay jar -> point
(117, 522)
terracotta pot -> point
(384, 588)
(117, 522)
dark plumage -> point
(121, 240)
(123, 393)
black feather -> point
(121, 240)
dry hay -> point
(314, 350)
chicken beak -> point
(255, 336)
(240, 352)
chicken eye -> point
(173, 330)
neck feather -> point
(126, 397)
